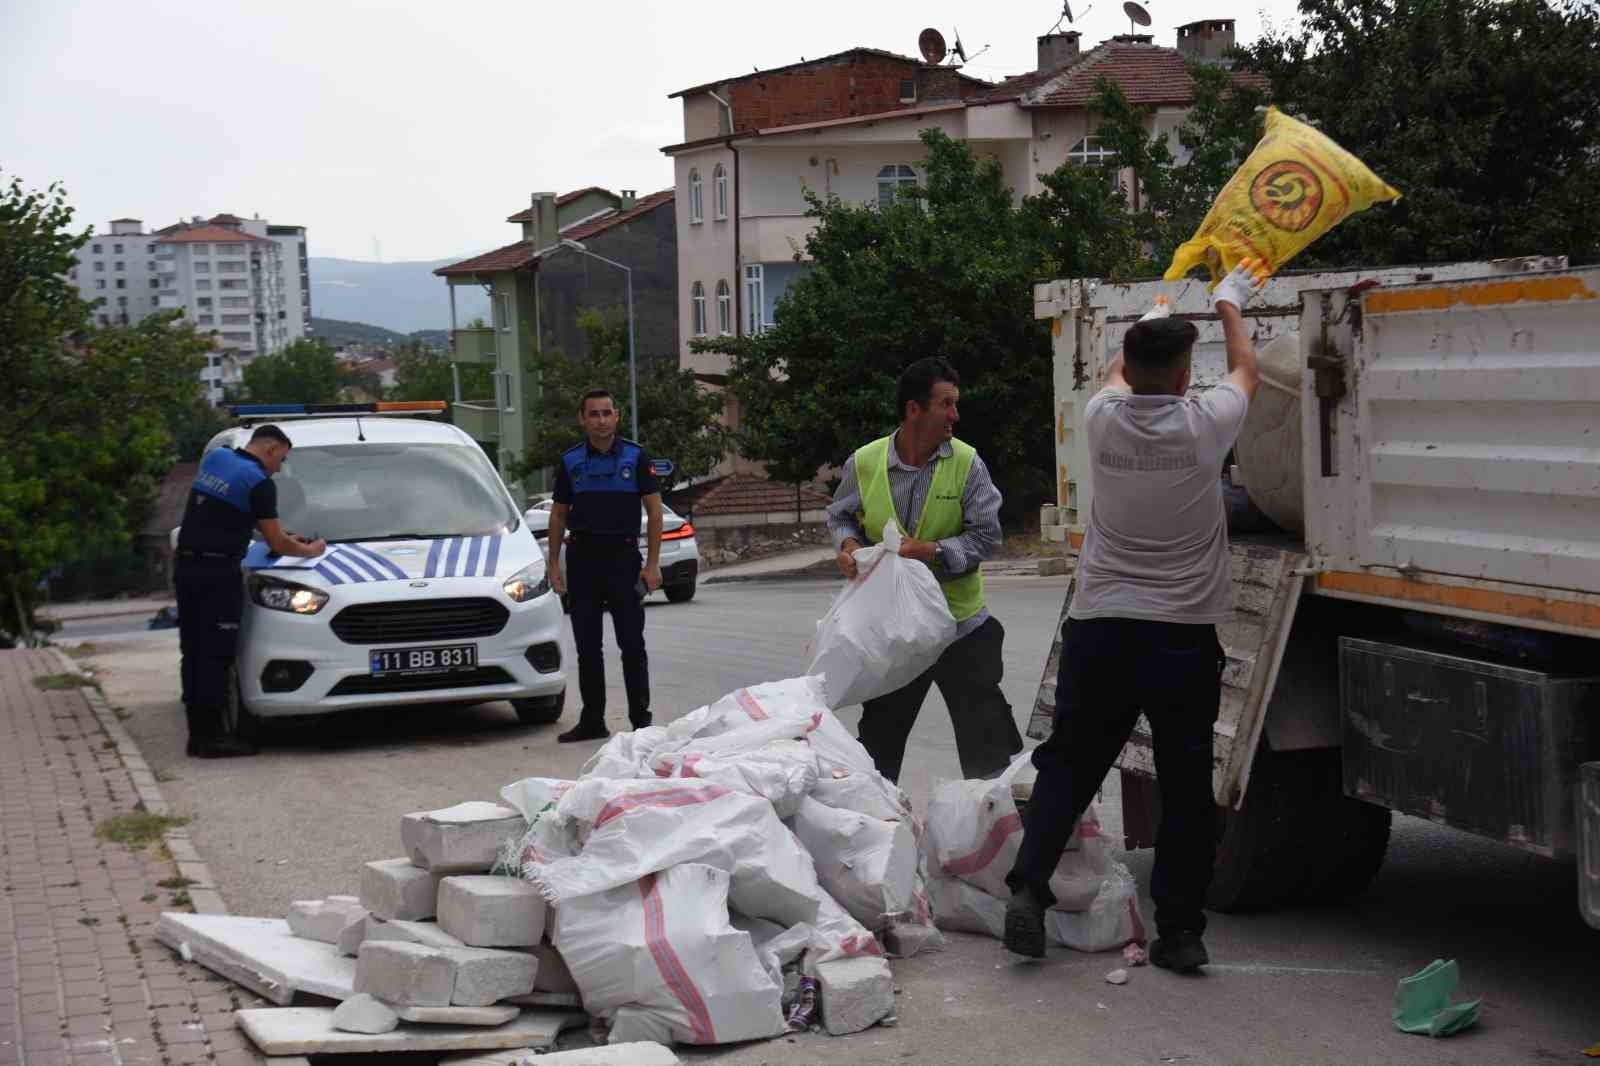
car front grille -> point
(362, 685)
(419, 621)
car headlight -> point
(278, 595)
(529, 583)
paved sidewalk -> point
(72, 612)
(82, 981)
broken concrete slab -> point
(633, 1054)
(310, 1031)
(261, 954)
(375, 928)
(496, 1015)
(856, 993)
(464, 839)
(323, 919)
(362, 1013)
(536, 998)
(485, 975)
(486, 911)
(553, 975)
(393, 888)
(405, 974)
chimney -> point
(1134, 38)
(630, 200)
(1058, 49)
(1208, 41)
(546, 230)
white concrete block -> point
(491, 912)
(856, 993)
(405, 974)
(458, 1015)
(363, 1014)
(393, 888)
(375, 928)
(323, 919)
(310, 1031)
(260, 954)
(464, 839)
(353, 933)
(484, 975)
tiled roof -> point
(127, 220)
(518, 255)
(1147, 73)
(225, 219)
(741, 494)
(209, 233)
(526, 214)
(796, 66)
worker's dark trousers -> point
(210, 601)
(603, 575)
(968, 675)
(1111, 670)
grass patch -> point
(177, 882)
(122, 715)
(89, 921)
(181, 899)
(137, 829)
(108, 744)
(1028, 546)
(81, 651)
(57, 682)
(148, 897)
(165, 775)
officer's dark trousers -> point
(210, 601)
(603, 575)
(968, 675)
(1111, 670)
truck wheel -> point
(237, 721)
(540, 710)
(1353, 837)
(1260, 860)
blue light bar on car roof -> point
(258, 410)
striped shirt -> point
(978, 540)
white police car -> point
(432, 590)
(680, 552)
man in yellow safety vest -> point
(947, 507)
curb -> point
(825, 570)
(116, 613)
(203, 894)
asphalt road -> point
(1295, 986)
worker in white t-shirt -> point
(1153, 582)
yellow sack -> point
(1296, 186)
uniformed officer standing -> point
(599, 486)
(939, 492)
(232, 493)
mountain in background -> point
(403, 297)
(337, 332)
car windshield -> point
(374, 491)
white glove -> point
(1162, 308)
(1241, 284)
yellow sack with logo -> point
(1296, 186)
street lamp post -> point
(633, 376)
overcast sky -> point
(421, 125)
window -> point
(150, 248)
(244, 338)
(122, 301)
(696, 209)
(1090, 152)
(724, 309)
(225, 266)
(502, 311)
(202, 301)
(201, 285)
(908, 89)
(892, 179)
(155, 283)
(230, 249)
(755, 291)
(100, 268)
(122, 283)
(72, 275)
(99, 248)
(150, 266)
(205, 320)
(719, 196)
(235, 320)
(202, 268)
(229, 283)
(201, 249)
(121, 265)
(236, 301)
(99, 283)
(105, 320)
(698, 298)
(117, 248)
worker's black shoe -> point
(641, 720)
(584, 731)
(221, 748)
(1025, 924)
(1181, 952)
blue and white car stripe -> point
(367, 553)
(359, 564)
(434, 550)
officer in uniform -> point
(232, 494)
(939, 492)
(599, 486)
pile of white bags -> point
(973, 834)
(691, 864)
(885, 629)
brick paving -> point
(82, 980)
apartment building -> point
(119, 269)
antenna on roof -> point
(1136, 14)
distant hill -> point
(337, 332)
(403, 297)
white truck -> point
(1418, 628)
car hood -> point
(360, 562)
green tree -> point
(424, 373)
(1485, 114)
(83, 422)
(678, 420)
(191, 427)
(306, 371)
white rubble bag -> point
(885, 629)
(782, 772)
(1111, 921)
(659, 956)
(1269, 447)
(638, 827)
(869, 866)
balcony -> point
(480, 421)
(475, 346)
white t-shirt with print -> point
(1156, 543)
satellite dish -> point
(930, 42)
(1136, 14)
(958, 50)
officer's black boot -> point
(206, 739)
(589, 727)
(199, 729)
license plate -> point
(439, 659)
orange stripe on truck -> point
(1489, 294)
(1480, 601)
